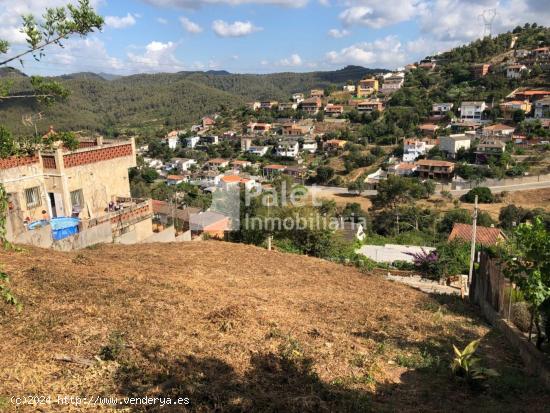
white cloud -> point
(196, 4)
(162, 20)
(190, 26)
(387, 52)
(338, 34)
(376, 14)
(291, 61)
(235, 29)
(157, 56)
(120, 22)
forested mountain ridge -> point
(170, 99)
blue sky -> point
(259, 36)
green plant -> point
(115, 347)
(466, 366)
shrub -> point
(484, 195)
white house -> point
(439, 109)
(402, 169)
(288, 149)
(393, 82)
(258, 150)
(542, 108)
(297, 97)
(309, 145)
(228, 182)
(349, 88)
(472, 110)
(183, 164)
(515, 71)
(453, 143)
(287, 106)
(412, 149)
(172, 138)
(192, 141)
(153, 163)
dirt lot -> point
(238, 328)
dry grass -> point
(237, 328)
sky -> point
(264, 36)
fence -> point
(530, 179)
(492, 291)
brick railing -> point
(140, 211)
(87, 156)
(15, 161)
(48, 162)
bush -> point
(484, 195)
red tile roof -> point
(484, 235)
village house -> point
(183, 164)
(246, 142)
(335, 145)
(441, 109)
(486, 236)
(209, 140)
(312, 105)
(402, 169)
(413, 149)
(268, 104)
(83, 183)
(297, 97)
(333, 110)
(499, 129)
(349, 88)
(288, 149)
(172, 139)
(428, 129)
(367, 87)
(288, 106)
(487, 147)
(176, 179)
(297, 172)
(240, 165)
(217, 163)
(253, 105)
(515, 71)
(273, 170)
(258, 150)
(229, 182)
(369, 105)
(210, 223)
(192, 141)
(472, 110)
(393, 83)
(480, 70)
(530, 95)
(453, 143)
(309, 145)
(296, 129)
(258, 128)
(410, 67)
(427, 65)
(434, 169)
(508, 108)
(317, 93)
(542, 108)
(208, 121)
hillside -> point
(101, 103)
(238, 328)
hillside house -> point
(273, 170)
(317, 93)
(402, 168)
(296, 129)
(309, 145)
(480, 70)
(413, 149)
(258, 150)
(335, 145)
(453, 143)
(229, 182)
(213, 224)
(311, 106)
(176, 179)
(393, 83)
(253, 105)
(268, 104)
(499, 130)
(488, 147)
(428, 129)
(288, 106)
(441, 109)
(349, 88)
(83, 183)
(240, 165)
(433, 169)
(367, 87)
(256, 128)
(508, 108)
(192, 141)
(217, 163)
(516, 71)
(210, 140)
(246, 142)
(172, 139)
(486, 236)
(288, 149)
(369, 105)
(333, 110)
(542, 108)
(208, 122)
(183, 164)
(297, 172)
(472, 110)
(530, 95)
(297, 97)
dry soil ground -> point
(238, 328)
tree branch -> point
(26, 96)
(34, 49)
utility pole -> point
(473, 246)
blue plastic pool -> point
(63, 227)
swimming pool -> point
(64, 227)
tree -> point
(518, 116)
(484, 195)
(324, 174)
(58, 24)
(397, 190)
(527, 259)
(461, 216)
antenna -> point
(488, 16)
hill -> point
(238, 328)
(100, 102)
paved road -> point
(333, 190)
(509, 188)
